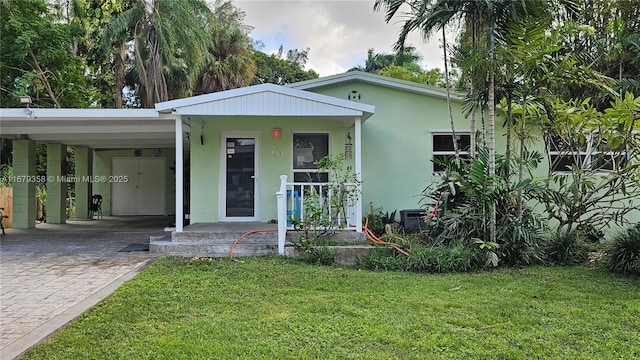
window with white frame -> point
(593, 152)
(307, 149)
(443, 150)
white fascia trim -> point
(448, 131)
(374, 79)
(74, 114)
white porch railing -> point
(295, 199)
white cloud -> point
(338, 32)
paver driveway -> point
(52, 274)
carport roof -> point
(155, 128)
(93, 128)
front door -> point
(240, 165)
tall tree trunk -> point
(521, 162)
(446, 84)
(158, 84)
(142, 72)
(119, 73)
(472, 129)
(509, 122)
(483, 127)
(620, 71)
(492, 152)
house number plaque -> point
(275, 152)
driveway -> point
(53, 273)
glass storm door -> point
(240, 178)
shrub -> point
(623, 253)
(567, 248)
(437, 259)
(321, 255)
(382, 259)
(465, 196)
(315, 253)
(378, 220)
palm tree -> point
(229, 63)
(166, 35)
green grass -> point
(272, 308)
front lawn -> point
(272, 308)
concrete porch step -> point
(210, 248)
(224, 237)
(216, 239)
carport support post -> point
(24, 186)
(84, 164)
(56, 184)
(179, 176)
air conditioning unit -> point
(413, 219)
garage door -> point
(143, 192)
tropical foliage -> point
(403, 65)
(130, 53)
(623, 252)
(557, 71)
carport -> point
(88, 131)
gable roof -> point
(266, 100)
(376, 79)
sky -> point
(338, 32)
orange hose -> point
(371, 236)
(245, 234)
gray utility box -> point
(413, 219)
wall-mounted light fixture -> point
(348, 146)
(276, 133)
(25, 100)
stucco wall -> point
(274, 158)
(397, 142)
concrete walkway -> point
(53, 273)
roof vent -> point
(354, 95)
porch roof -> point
(267, 100)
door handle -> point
(253, 176)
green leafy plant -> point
(488, 247)
(623, 253)
(325, 207)
(464, 197)
(6, 174)
(314, 252)
(379, 219)
(596, 155)
(566, 248)
(426, 259)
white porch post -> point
(179, 176)
(282, 214)
(358, 167)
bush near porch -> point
(274, 308)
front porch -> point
(216, 239)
